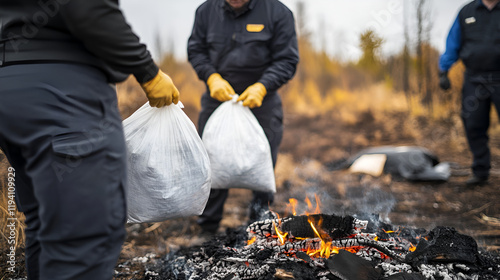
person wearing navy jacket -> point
(475, 39)
(248, 47)
(61, 130)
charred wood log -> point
(299, 226)
(444, 244)
(348, 266)
(334, 226)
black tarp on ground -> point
(408, 162)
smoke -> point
(372, 201)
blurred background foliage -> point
(405, 82)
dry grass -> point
(6, 232)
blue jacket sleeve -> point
(453, 45)
(285, 54)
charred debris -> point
(330, 247)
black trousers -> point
(478, 94)
(61, 131)
(270, 117)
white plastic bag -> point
(239, 152)
(168, 167)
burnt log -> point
(335, 226)
(347, 266)
(444, 244)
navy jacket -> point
(91, 32)
(256, 45)
(475, 39)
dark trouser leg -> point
(495, 97)
(212, 214)
(61, 130)
(476, 104)
(270, 117)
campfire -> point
(320, 246)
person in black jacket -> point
(61, 130)
(475, 39)
(248, 47)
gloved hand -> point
(220, 89)
(253, 95)
(161, 90)
(444, 81)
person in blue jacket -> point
(248, 47)
(475, 39)
(61, 130)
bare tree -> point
(301, 21)
(406, 57)
(303, 36)
(424, 27)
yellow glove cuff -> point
(212, 78)
(148, 86)
(262, 89)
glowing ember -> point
(412, 248)
(318, 243)
(251, 241)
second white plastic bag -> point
(239, 152)
(168, 167)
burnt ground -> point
(311, 147)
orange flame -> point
(315, 230)
(311, 209)
(293, 205)
(281, 235)
(318, 205)
(325, 249)
(251, 241)
(309, 204)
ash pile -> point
(325, 247)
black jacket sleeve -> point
(102, 28)
(198, 52)
(285, 54)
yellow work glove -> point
(220, 89)
(161, 90)
(253, 95)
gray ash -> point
(382, 252)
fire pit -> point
(319, 246)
